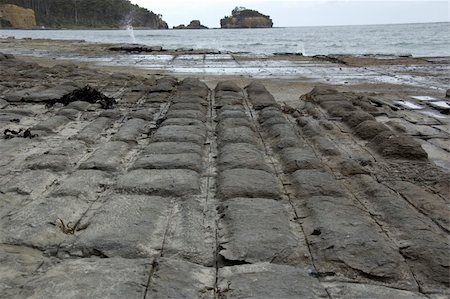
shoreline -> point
(169, 181)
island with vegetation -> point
(195, 24)
(246, 18)
(79, 14)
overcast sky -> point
(304, 12)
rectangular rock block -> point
(52, 124)
(422, 242)
(312, 182)
(130, 131)
(129, 226)
(91, 278)
(172, 148)
(92, 131)
(192, 134)
(190, 238)
(162, 182)
(266, 280)
(294, 158)
(84, 183)
(170, 161)
(346, 242)
(36, 224)
(241, 155)
(257, 230)
(247, 183)
(180, 279)
(107, 157)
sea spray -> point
(130, 31)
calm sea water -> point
(429, 39)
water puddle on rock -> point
(409, 105)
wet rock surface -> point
(181, 189)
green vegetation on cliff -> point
(246, 18)
(90, 13)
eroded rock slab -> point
(180, 279)
(162, 182)
(265, 280)
(91, 278)
(129, 226)
(247, 183)
(257, 230)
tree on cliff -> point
(90, 13)
(242, 17)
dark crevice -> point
(224, 262)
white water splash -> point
(130, 31)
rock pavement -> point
(181, 190)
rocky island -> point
(246, 18)
(195, 24)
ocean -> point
(419, 40)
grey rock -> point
(190, 238)
(71, 114)
(227, 114)
(228, 86)
(397, 146)
(192, 134)
(268, 281)
(163, 182)
(188, 107)
(428, 203)
(312, 182)
(369, 129)
(78, 105)
(186, 99)
(3, 103)
(325, 146)
(84, 183)
(259, 96)
(170, 161)
(194, 114)
(340, 108)
(357, 117)
(237, 135)
(108, 157)
(423, 244)
(270, 112)
(52, 124)
(156, 97)
(92, 278)
(276, 120)
(32, 183)
(165, 84)
(180, 279)
(183, 122)
(247, 183)
(36, 224)
(91, 132)
(294, 158)
(128, 226)
(349, 244)
(356, 290)
(130, 131)
(56, 159)
(241, 155)
(172, 148)
(257, 230)
(145, 113)
(17, 263)
(233, 123)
